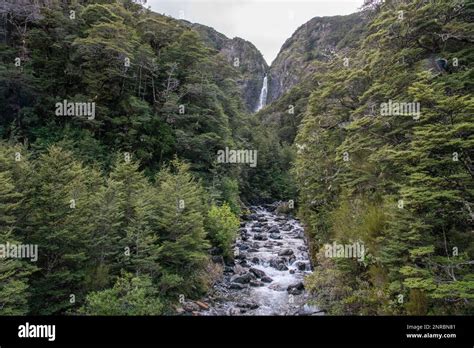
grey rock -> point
(248, 305)
(236, 286)
(256, 283)
(273, 229)
(257, 272)
(243, 263)
(295, 289)
(189, 306)
(301, 265)
(243, 279)
(285, 252)
(278, 264)
(218, 259)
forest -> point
(112, 119)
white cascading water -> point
(263, 94)
(271, 262)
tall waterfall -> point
(263, 94)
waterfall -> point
(263, 94)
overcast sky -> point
(265, 23)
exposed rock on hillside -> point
(244, 57)
(319, 39)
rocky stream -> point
(266, 278)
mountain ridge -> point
(243, 56)
(314, 40)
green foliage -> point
(180, 222)
(134, 194)
(58, 221)
(230, 194)
(271, 178)
(130, 295)
(222, 226)
(159, 93)
(402, 185)
(14, 273)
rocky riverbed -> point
(271, 260)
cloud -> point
(265, 23)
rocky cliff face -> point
(244, 57)
(321, 38)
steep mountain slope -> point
(310, 48)
(399, 182)
(162, 104)
(320, 39)
(243, 56)
(291, 81)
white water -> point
(271, 297)
(263, 94)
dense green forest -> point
(132, 195)
(401, 183)
(130, 208)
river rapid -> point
(266, 278)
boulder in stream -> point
(243, 279)
(296, 289)
(285, 252)
(273, 229)
(278, 264)
(236, 286)
(257, 272)
(300, 265)
(256, 283)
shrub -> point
(129, 296)
(222, 227)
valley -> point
(202, 181)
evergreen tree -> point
(14, 273)
(179, 213)
(59, 224)
(138, 242)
